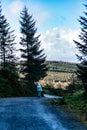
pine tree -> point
(82, 47)
(7, 50)
(9, 78)
(33, 58)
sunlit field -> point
(58, 76)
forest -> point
(31, 60)
(33, 67)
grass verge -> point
(76, 104)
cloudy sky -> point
(56, 21)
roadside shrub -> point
(9, 83)
(48, 89)
(75, 85)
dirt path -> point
(32, 114)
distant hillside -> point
(60, 66)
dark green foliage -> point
(57, 102)
(27, 89)
(48, 89)
(47, 86)
(77, 102)
(9, 83)
(82, 47)
(75, 85)
(12, 86)
(82, 74)
(33, 59)
(7, 56)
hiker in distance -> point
(39, 90)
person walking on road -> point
(39, 90)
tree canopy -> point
(33, 58)
(7, 42)
(82, 47)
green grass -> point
(59, 66)
(76, 104)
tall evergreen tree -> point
(82, 47)
(33, 58)
(9, 78)
(7, 49)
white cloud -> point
(12, 10)
(40, 15)
(15, 7)
(58, 44)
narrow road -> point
(32, 114)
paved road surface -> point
(32, 114)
